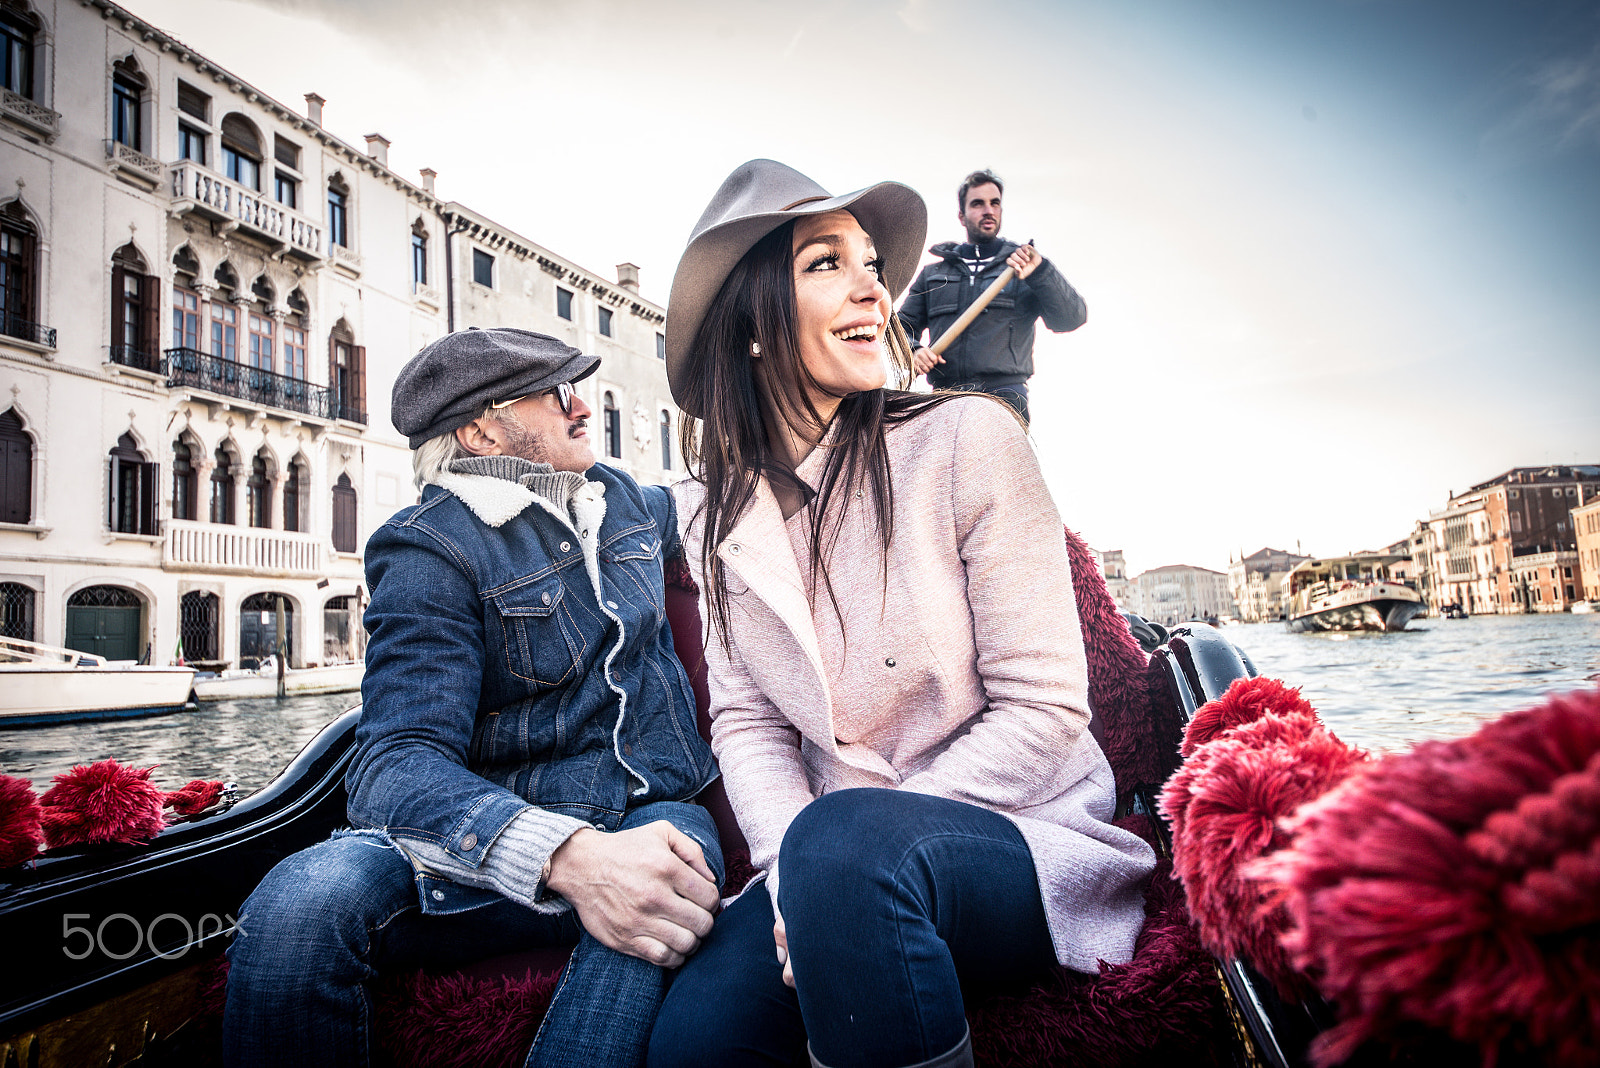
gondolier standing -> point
(994, 354)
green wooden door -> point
(109, 632)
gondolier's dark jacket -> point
(998, 347)
(496, 678)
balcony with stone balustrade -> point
(35, 116)
(205, 192)
(221, 547)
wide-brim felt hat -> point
(756, 199)
(452, 380)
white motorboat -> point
(1356, 592)
(331, 678)
(42, 684)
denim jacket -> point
(497, 679)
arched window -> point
(341, 631)
(19, 270)
(295, 484)
(241, 151)
(16, 470)
(18, 27)
(128, 87)
(258, 628)
(419, 255)
(613, 424)
(185, 301)
(258, 492)
(338, 212)
(222, 486)
(225, 315)
(16, 611)
(344, 515)
(347, 375)
(666, 440)
(184, 476)
(104, 620)
(135, 324)
(197, 626)
(132, 504)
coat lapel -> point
(759, 553)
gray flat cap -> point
(451, 381)
(756, 199)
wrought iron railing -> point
(228, 378)
(348, 410)
(130, 356)
(16, 326)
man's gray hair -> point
(433, 457)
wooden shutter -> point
(16, 478)
(149, 481)
(25, 285)
(150, 320)
(119, 282)
(358, 385)
(344, 515)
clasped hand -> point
(646, 892)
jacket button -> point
(545, 597)
(627, 748)
(734, 548)
(611, 605)
(566, 546)
(889, 662)
(645, 546)
(469, 843)
(438, 895)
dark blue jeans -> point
(327, 920)
(893, 902)
(1013, 393)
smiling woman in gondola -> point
(898, 683)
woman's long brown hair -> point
(739, 397)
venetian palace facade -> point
(204, 299)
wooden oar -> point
(975, 309)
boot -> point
(957, 1056)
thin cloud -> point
(1554, 107)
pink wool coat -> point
(965, 677)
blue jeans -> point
(893, 901)
(1013, 393)
(326, 921)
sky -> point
(1341, 257)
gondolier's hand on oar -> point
(1024, 260)
(646, 892)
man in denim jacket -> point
(527, 749)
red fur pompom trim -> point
(20, 833)
(193, 797)
(678, 574)
(104, 802)
(1458, 886)
(1246, 700)
(1226, 805)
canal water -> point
(1439, 678)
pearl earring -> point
(755, 348)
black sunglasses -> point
(563, 393)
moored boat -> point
(1351, 593)
(332, 678)
(46, 684)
